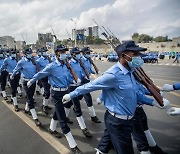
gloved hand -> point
(161, 93)
(11, 77)
(29, 84)
(167, 87)
(173, 111)
(165, 102)
(66, 98)
(98, 100)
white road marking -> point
(46, 136)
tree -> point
(161, 39)
(98, 41)
(89, 39)
(135, 37)
(144, 38)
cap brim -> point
(136, 49)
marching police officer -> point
(28, 68)
(59, 77)
(39, 87)
(42, 62)
(9, 64)
(88, 99)
(2, 78)
(119, 94)
(74, 62)
(4, 73)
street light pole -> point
(75, 30)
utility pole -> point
(75, 30)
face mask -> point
(39, 54)
(136, 62)
(7, 54)
(1, 56)
(29, 56)
(44, 53)
(13, 55)
(62, 56)
(87, 55)
(78, 56)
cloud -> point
(123, 17)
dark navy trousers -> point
(29, 93)
(87, 97)
(75, 101)
(59, 113)
(139, 123)
(46, 86)
(14, 84)
(117, 135)
(3, 79)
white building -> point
(10, 41)
(3, 42)
(95, 31)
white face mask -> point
(78, 56)
(135, 62)
(13, 55)
(44, 53)
(29, 56)
(87, 55)
(62, 56)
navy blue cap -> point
(28, 51)
(61, 47)
(128, 46)
(86, 49)
(75, 50)
(44, 49)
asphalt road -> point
(19, 135)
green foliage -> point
(144, 38)
(161, 39)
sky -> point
(27, 18)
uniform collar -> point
(84, 58)
(73, 60)
(43, 57)
(26, 59)
(123, 69)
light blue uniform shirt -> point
(42, 62)
(26, 67)
(58, 75)
(9, 64)
(36, 57)
(118, 89)
(77, 68)
(141, 95)
(87, 65)
(1, 61)
(176, 86)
